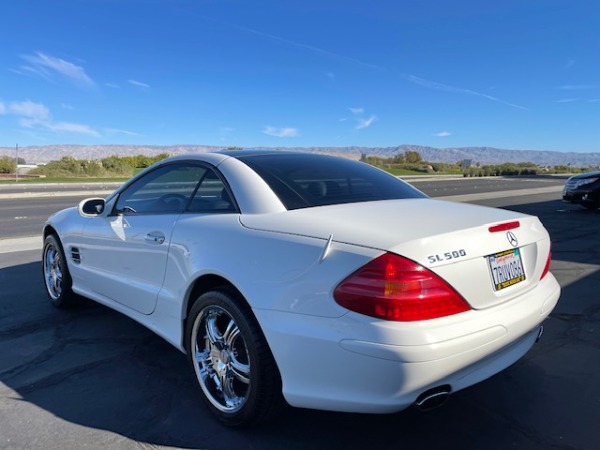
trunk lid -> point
(451, 239)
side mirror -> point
(91, 207)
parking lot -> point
(91, 378)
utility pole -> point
(17, 164)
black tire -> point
(55, 272)
(233, 365)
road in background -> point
(8, 190)
(24, 208)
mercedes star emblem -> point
(512, 239)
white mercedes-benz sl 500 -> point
(317, 280)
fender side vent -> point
(75, 255)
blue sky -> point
(515, 74)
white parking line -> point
(20, 244)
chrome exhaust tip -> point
(539, 335)
(433, 398)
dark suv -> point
(583, 189)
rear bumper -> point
(358, 364)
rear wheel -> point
(56, 273)
(232, 362)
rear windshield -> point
(305, 180)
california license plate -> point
(506, 268)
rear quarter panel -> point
(273, 271)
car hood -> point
(383, 224)
(586, 175)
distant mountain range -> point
(482, 155)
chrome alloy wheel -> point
(53, 275)
(222, 360)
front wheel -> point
(232, 362)
(56, 273)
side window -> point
(212, 196)
(164, 190)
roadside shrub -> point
(7, 164)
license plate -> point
(506, 268)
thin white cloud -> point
(59, 127)
(358, 119)
(29, 110)
(113, 131)
(443, 134)
(48, 67)
(35, 115)
(112, 85)
(457, 90)
(566, 100)
(577, 87)
(301, 46)
(139, 84)
(67, 106)
(330, 75)
(280, 132)
(71, 128)
(594, 100)
(364, 123)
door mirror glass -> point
(92, 207)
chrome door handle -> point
(155, 237)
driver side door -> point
(124, 255)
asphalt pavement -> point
(90, 378)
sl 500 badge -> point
(447, 256)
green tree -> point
(412, 157)
(142, 161)
(400, 158)
(117, 166)
(7, 164)
(159, 157)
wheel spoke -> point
(239, 370)
(231, 333)
(212, 331)
(232, 399)
(203, 357)
(57, 270)
(206, 371)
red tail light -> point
(547, 266)
(391, 287)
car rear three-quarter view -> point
(321, 281)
